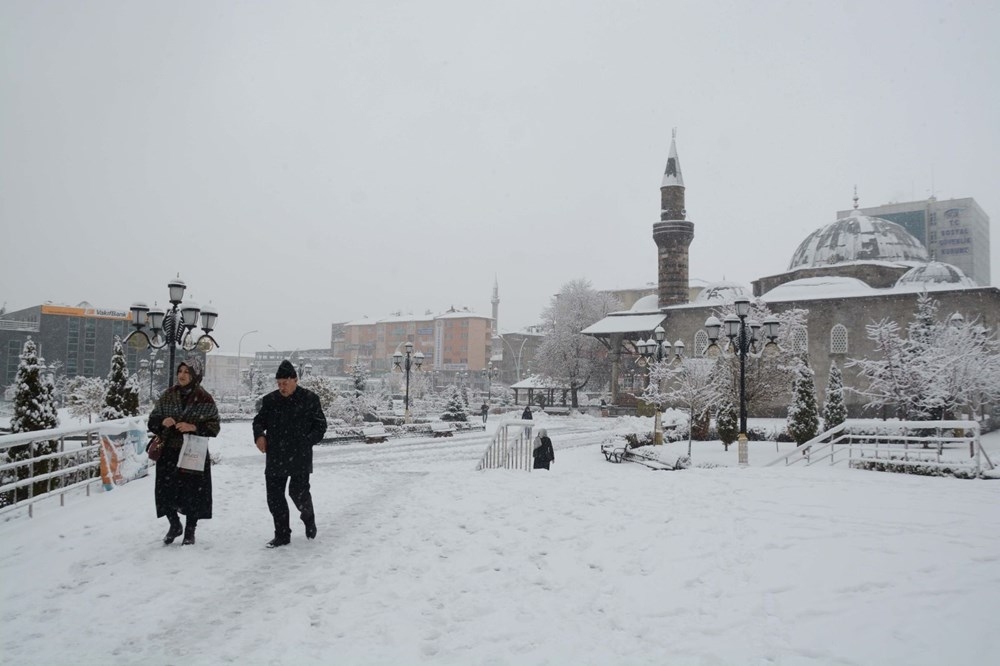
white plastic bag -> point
(194, 453)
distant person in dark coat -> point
(485, 411)
(542, 451)
(183, 408)
(526, 414)
(289, 423)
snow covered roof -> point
(935, 275)
(857, 238)
(625, 323)
(650, 304)
(827, 286)
(721, 292)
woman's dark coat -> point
(189, 493)
(292, 426)
(544, 454)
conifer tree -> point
(803, 413)
(34, 409)
(834, 410)
(121, 400)
(727, 422)
(454, 409)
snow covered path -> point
(420, 559)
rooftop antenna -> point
(855, 197)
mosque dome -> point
(722, 292)
(935, 274)
(648, 303)
(816, 287)
(857, 238)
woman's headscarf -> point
(194, 369)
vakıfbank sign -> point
(97, 313)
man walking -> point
(289, 423)
(485, 411)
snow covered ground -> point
(421, 559)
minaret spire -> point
(673, 233)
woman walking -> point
(542, 450)
(185, 407)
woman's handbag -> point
(154, 448)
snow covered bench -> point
(442, 429)
(375, 433)
(612, 453)
(650, 461)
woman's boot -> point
(175, 528)
(192, 523)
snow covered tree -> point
(941, 369)
(693, 384)
(325, 390)
(359, 376)
(803, 413)
(566, 356)
(120, 399)
(834, 409)
(454, 409)
(34, 409)
(33, 405)
(85, 396)
(727, 422)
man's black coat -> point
(292, 426)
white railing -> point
(510, 448)
(74, 464)
(938, 443)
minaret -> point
(496, 304)
(672, 234)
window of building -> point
(700, 343)
(838, 339)
(800, 339)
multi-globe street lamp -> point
(173, 328)
(490, 373)
(742, 344)
(404, 364)
(654, 350)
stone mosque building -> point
(845, 274)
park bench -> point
(649, 461)
(612, 453)
(375, 433)
(442, 429)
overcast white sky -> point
(301, 163)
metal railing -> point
(510, 448)
(936, 443)
(38, 473)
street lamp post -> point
(517, 356)
(173, 328)
(405, 364)
(154, 369)
(654, 350)
(239, 368)
(742, 342)
(490, 373)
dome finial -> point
(855, 197)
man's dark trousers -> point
(298, 490)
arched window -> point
(838, 339)
(800, 339)
(700, 343)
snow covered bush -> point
(122, 398)
(727, 423)
(834, 409)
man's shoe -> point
(310, 528)
(279, 540)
